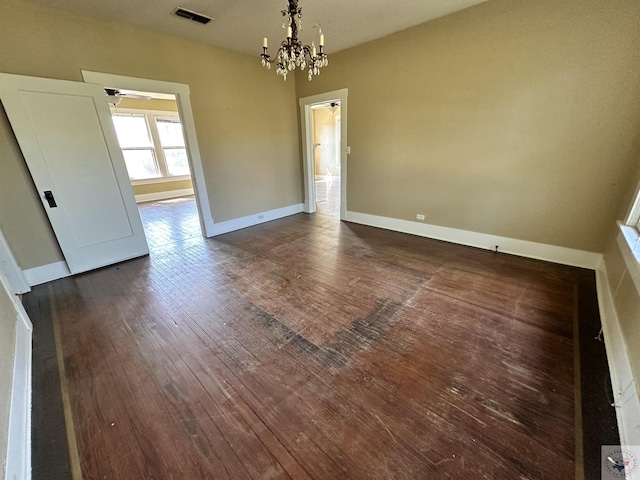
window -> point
(633, 217)
(631, 227)
(172, 141)
(152, 144)
(136, 145)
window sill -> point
(632, 237)
(629, 244)
(148, 181)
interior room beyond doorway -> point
(151, 137)
(326, 125)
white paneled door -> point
(67, 137)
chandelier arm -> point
(267, 58)
(305, 49)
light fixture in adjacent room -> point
(292, 53)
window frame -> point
(158, 151)
(171, 119)
(630, 228)
(150, 148)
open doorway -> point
(150, 134)
(325, 127)
(324, 133)
(181, 93)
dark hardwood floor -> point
(312, 348)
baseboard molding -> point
(151, 197)
(54, 271)
(47, 273)
(214, 229)
(522, 248)
(625, 394)
(18, 460)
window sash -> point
(125, 131)
(139, 167)
(164, 135)
(176, 166)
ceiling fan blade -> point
(136, 96)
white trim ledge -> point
(626, 401)
(47, 273)
(18, 459)
(629, 243)
(9, 267)
(214, 229)
(522, 248)
(152, 197)
(153, 181)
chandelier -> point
(292, 53)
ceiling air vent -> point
(191, 15)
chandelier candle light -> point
(292, 53)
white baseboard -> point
(151, 197)
(214, 229)
(18, 460)
(47, 273)
(522, 248)
(625, 394)
(54, 271)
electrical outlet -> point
(419, 216)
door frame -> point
(12, 272)
(182, 94)
(306, 132)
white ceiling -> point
(240, 24)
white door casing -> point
(182, 94)
(12, 272)
(307, 147)
(67, 138)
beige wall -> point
(22, 218)
(516, 118)
(151, 104)
(245, 116)
(161, 187)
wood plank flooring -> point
(309, 348)
(328, 195)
